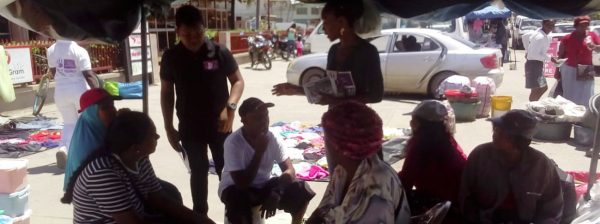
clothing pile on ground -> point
(305, 146)
(25, 136)
(557, 109)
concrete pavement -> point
(46, 180)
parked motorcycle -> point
(259, 49)
(281, 47)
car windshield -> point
(566, 28)
(445, 26)
(530, 24)
(463, 41)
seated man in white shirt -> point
(250, 153)
(537, 53)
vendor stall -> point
(488, 27)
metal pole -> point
(232, 16)
(257, 15)
(269, 15)
(144, 59)
(596, 149)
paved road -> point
(46, 180)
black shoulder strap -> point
(213, 48)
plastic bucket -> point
(501, 105)
(465, 111)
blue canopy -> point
(490, 12)
(443, 10)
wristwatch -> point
(232, 106)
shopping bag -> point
(7, 91)
(111, 87)
(132, 90)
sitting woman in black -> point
(117, 184)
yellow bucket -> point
(501, 105)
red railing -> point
(104, 57)
(239, 44)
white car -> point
(317, 41)
(523, 25)
(561, 30)
(441, 55)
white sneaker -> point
(61, 157)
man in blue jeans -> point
(197, 70)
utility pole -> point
(257, 15)
(232, 15)
(269, 15)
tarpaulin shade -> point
(489, 12)
(443, 10)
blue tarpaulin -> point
(443, 10)
(489, 12)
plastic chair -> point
(435, 215)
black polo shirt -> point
(201, 88)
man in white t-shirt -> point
(71, 68)
(537, 54)
(250, 153)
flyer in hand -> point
(337, 84)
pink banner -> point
(549, 68)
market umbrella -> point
(489, 12)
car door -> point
(408, 62)
(382, 43)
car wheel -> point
(435, 82)
(311, 74)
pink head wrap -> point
(354, 128)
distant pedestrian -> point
(502, 37)
(299, 46)
(537, 54)
(291, 36)
(71, 68)
(196, 71)
(578, 85)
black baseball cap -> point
(252, 104)
(517, 122)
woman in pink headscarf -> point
(363, 188)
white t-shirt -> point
(526, 38)
(539, 42)
(238, 155)
(69, 60)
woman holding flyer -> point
(352, 55)
(576, 74)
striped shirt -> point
(105, 187)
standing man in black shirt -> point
(197, 69)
